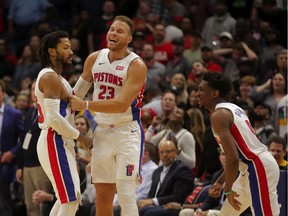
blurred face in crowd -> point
(167, 152)
(168, 102)
(159, 33)
(148, 52)
(186, 25)
(178, 80)
(35, 41)
(282, 61)
(22, 102)
(225, 42)
(206, 54)
(278, 83)
(108, 8)
(81, 125)
(245, 89)
(261, 113)
(198, 69)
(193, 99)
(177, 116)
(277, 151)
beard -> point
(62, 60)
(258, 117)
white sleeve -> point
(81, 87)
(58, 122)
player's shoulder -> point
(93, 56)
(138, 63)
(220, 114)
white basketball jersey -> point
(65, 110)
(109, 79)
(247, 142)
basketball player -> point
(259, 172)
(55, 145)
(119, 78)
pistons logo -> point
(129, 170)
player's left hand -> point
(234, 202)
(76, 103)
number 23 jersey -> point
(109, 80)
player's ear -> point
(51, 51)
(215, 93)
(130, 38)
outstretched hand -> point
(76, 103)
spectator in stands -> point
(8, 61)
(282, 117)
(196, 74)
(187, 28)
(152, 100)
(243, 33)
(12, 128)
(139, 40)
(194, 53)
(163, 49)
(156, 70)
(207, 57)
(271, 92)
(168, 105)
(198, 129)
(244, 91)
(277, 147)
(171, 182)
(167, 11)
(178, 83)
(82, 124)
(229, 65)
(260, 117)
(187, 209)
(267, 60)
(176, 128)
(22, 17)
(27, 66)
(147, 115)
(221, 21)
(22, 102)
(179, 63)
(281, 61)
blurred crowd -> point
(179, 41)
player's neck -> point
(117, 55)
(57, 69)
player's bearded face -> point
(62, 59)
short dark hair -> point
(127, 20)
(49, 41)
(218, 81)
(277, 139)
